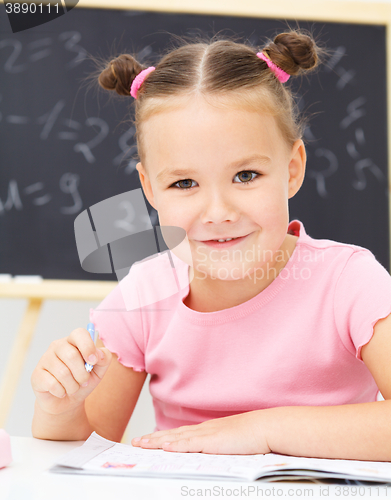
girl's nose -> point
(218, 208)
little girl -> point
(268, 340)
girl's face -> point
(221, 173)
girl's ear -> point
(296, 167)
(146, 185)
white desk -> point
(27, 478)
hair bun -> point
(119, 74)
(294, 52)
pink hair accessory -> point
(138, 81)
(280, 73)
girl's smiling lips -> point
(224, 244)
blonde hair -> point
(225, 73)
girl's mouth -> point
(224, 244)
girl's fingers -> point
(81, 340)
(63, 375)
(45, 383)
(68, 367)
(157, 441)
(158, 434)
(60, 380)
(176, 430)
(179, 443)
(104, 360)
(186, 445)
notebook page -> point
(103, 457)
(77, 457)
(107, 457)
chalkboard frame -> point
(305, 10)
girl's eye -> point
(245, 177)
(183, 184)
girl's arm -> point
(349, 432)
(352, 431)
(110, 406)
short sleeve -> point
(362, 297)
(120, 330)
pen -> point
(91, 331)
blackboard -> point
(65, 147)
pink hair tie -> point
(280, 73)
(138, 81)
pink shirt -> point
(296, 343)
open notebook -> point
(100, 456)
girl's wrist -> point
(265, 424)
(72, 425)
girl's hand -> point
(243, 434)
(60, 381)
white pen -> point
(91, 331)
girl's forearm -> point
(351, 432)
(70, 426)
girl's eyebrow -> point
(168, 174)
